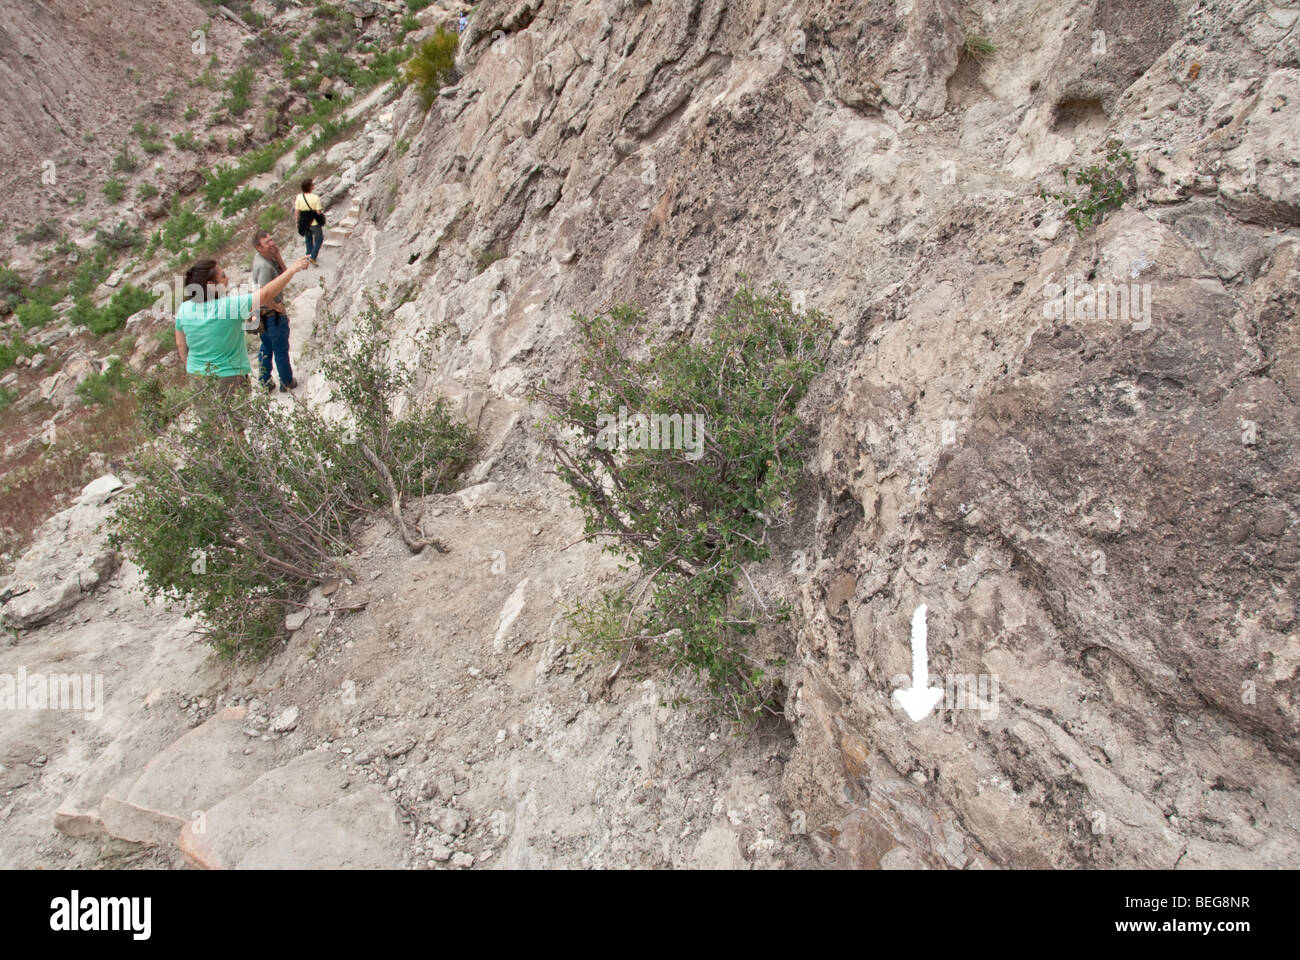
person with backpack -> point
(210, 324)
(311, 220)
(274, 326)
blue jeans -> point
(275, 345)
(315, 237)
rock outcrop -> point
(1075, 447)
(69, 559)
(1097, 501)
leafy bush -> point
(330, 131)
(120, 237)
(34, 313)
(127, 302)
(7, 397)
(42, 232)
(431, 64)
(240, 201)
(146, 191)
(215, 239)
(83, 311)
(153, 146)
(384, 66)
(113, 315)
(272, 215)
(186, 140)
(91, 272)
(486, 257)
(189, 114)
(1105, 187)
(104, 388)
(335, 63)
(978, 46)
(146, 131)
(114, 189)
(238, 86)
(10, 281)
(181, 225)
(240, 516)
(220, 182)
(15, 348)
(689, 523)
(125, 161)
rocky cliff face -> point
(1097, 500)
(1075, 448)
(77, 75)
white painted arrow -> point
(921, 698)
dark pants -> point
(275, 345)
(229, 388)
(315, 237)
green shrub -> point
(330, 132)
(182, 224)
(33, 313)
(186, 140)
(42, 232)
(7, 398)
(83, 312)
(220, 182)
(215, 239)
(90, 273)
(239, 537)
(978, 46)
(189, 115)
(431, 64)
(153, 147)
(15, 348)
(114, 189)
(690, 519)
(125, 161)
(146, 131)
(157, 405)
(125, 303)
(120, 237)
(271, 216)
(104, 388)
(1105, 186)
(486, 257)
(146, 191)
(10, 281)
(334, 63)
(240, 201)
(238, 86)
(384, 66)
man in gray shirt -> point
(267, 265)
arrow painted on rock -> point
(921, 698)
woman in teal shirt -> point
(210, 326)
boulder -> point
(67, 560)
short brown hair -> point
(306, 186)
(258, 235)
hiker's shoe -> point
(313, 261)
(286, 387)
(270, 386)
